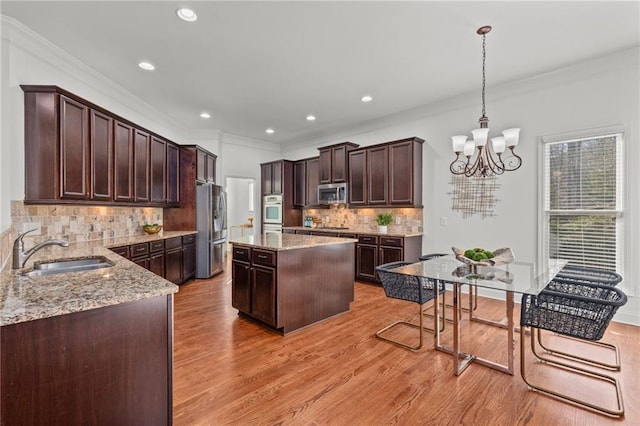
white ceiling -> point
(254, 65)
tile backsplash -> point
(5, 247)
(77, 223)
(405, 220)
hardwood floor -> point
(228, 371)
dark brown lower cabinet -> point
(189, 257)
(156, 263)
(375, 250)
(366, 261)
(263, 292)
(173, 265)
(106, 366)
(174, 259)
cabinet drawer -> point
(368, 239)
(122, 251)
(391, 241)
(138, 250)
(264, 257)
(155, 246)
(189, 239)
(242, 253)
(354, 236)
(171, 243)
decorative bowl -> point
(502, 256)
(152, 229)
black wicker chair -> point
(582, 274)
(582, 311)
(579, 275)
(412, 289)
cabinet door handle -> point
(262, 256)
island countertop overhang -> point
(280, 242)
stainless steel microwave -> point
(332, 193)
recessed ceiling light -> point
(366, 98)
(147, 66)
(186, 14)
(311, 117)
(270, 131)
(205, 115)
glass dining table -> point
(515, 277)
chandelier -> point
(482, 159)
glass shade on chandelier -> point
(481, 158)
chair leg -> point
(420, 327)
(619, 412)
(573, 357)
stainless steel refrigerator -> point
(211, 224)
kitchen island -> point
(287, 281)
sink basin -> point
(61, 266)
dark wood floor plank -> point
(228, 370)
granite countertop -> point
(280, 242)
(24, 298)
(356, 231)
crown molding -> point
(33, 44)
(613, 62)
(231, 139)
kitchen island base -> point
(287, 289)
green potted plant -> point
(383, 219)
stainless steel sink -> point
(61, 266)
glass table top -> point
(519, 277)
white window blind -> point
(583, 201)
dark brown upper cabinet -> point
(74, 149)
(388, 174)
(271, 177)
(102, 170)
(141, 144)
(205, 166)
(358, 178)
(158, 169)
(78, 152)
(123, 162)
(306, 178)
(334, 162)
(173, 174)
(181, 192)
(405, 172)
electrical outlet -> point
(443, 221)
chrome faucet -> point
(20, 256)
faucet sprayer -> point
(20, 256)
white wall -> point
(600, 93)
(28, 58)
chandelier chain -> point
(484, 61)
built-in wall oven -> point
(270, 228)
(272, 213)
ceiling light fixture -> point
(270, 131)
(147, 66)
(485, 163)
(366, 98)
(205, 115)
(186, 14)
(311, 117)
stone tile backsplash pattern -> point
(5, 247)
(405, 220)
(76, 223)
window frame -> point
(544, 214)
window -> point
(583, 207)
